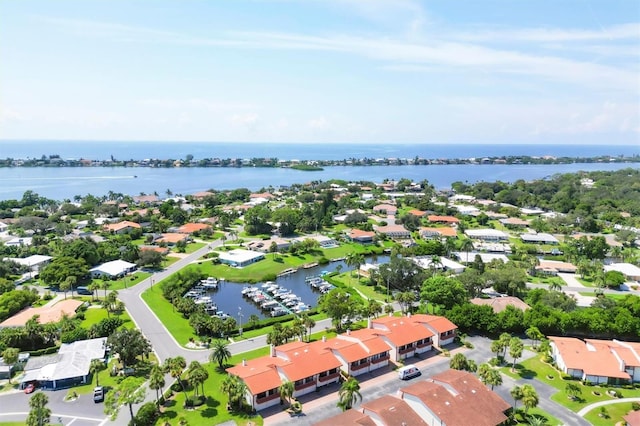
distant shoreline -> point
(308, 165)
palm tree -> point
(197, 375)
(39, 415)
(458, 362)
(105, 285)
(555, 286)
(71, 280)
(286, 390)
(515, 350)
(308, 322)
(535, 335)
(516, 393)
(573, 390)
(156, 380)
(95, 367)
(175, 367)
(483, 372)
(529, 397)
(349, 394)
(220, 353)
(466, 246)
(494, 378)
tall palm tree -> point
(494, 378)
(286, 390)
(516, 393)
(483, 372)
(197, 375)
(220, 353)
(95, 367)
(530, 397)
(515, 350)
(466, 246)
(349, 394)
(175, 367)
(156, 380)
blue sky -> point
(330, 71)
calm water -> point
(65, 183)
(228, 298)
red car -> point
(30, 388)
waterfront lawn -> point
(368, 291)
(177, 325)
(271, 265)
(348, 248)
(615, 412)
(250, 334)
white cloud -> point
(319, 123)
(249, 120)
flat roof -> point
(240, 255)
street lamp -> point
(240, 318)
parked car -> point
(98, 394)
(29, 388)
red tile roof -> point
(348, 418)
(115, 227)
(392, 411)
(445, 219)
(444, 231)
(259, 374)
(189, 228)
(596, 360)
(499, 304)
(457, 396)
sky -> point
(322, 71)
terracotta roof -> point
(146, 198)
(467, 399)
(358, 233)
(444, 231)
(307, 363)
(47, 313)
(499, 304)
(447, 219)
(259, 374)
(202, 194)
(632, 418)
(348, 418)
(121, 225)
(392, 228)
(385, 207)
(416, 212)
(627, 351)
(189, 228)
(402, 331)
(172, 237)
(261, 195)
(515, 221)
(438, 323)
(596, 360)
(350, 351)
(392, 411)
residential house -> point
(499, 304)
(114, 269)
(394, 231)
(172, 238)
(444, 264)
(146, 199)
(539, 238)
(553, 267)
(391, 410)
(123, 227)
(387, 209)
(360, 236)
(418, 213)
(240, 258)
(631, 272)
(360, 352)
(4, 227)
(597, 361)
(455, 398)
(46, 314)
(443, 232)
(448, 220)
(190, 228)
(514, 222)
(487, 234)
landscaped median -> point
(173, 320)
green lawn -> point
(105, 378)
(169, 260)
(213, 411)
(537, 412)
(177, 325)
(615, 411)
(610, 296)
(125, 282)
(534, 368)
(12, 424)
(349, 280)
(95, 315)
(547, 280)
(266, 330)
(191, 247)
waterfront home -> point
(360, 236)
(146, 199)
(444, 264)
(240, 258)
(597, 361)
(465, 257)
(394, 231)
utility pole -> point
(240, 318)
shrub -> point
(494, 362)
(194, 402)
(635, 406)
(147, 415)
(269, 277)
